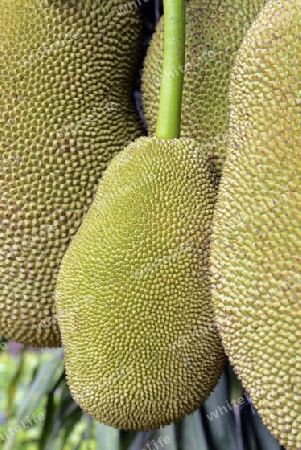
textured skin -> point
(66, 75)
(133, 300)
(256, 247)
(214, 31)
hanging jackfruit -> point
(255, 255)
(214, 31)
(133, 298)
(66, 75)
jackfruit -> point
(133, 298)
(255, 254)
(66, 74)
(214, 32)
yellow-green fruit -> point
(66, 76)
(133, 298)
(256, 251)
(214, 31)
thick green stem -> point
(169, 116)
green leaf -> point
(265, 439)
(106, 437)
(219, 416)
(67, 416)
(132, 440)
(42, 384)
(13, 385)
(193, 433)
(168, 434)
(71, 418)
(48, 422)
(235, 386)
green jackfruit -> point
(256, 248)
(214, 31)
(133, 297)
(66, 76)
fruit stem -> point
(169, 115)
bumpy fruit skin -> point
(256, 250)
(66, 76)
(214, 32)
(133, 297)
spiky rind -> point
(141, 346)
(66, 76)
(256, 249)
